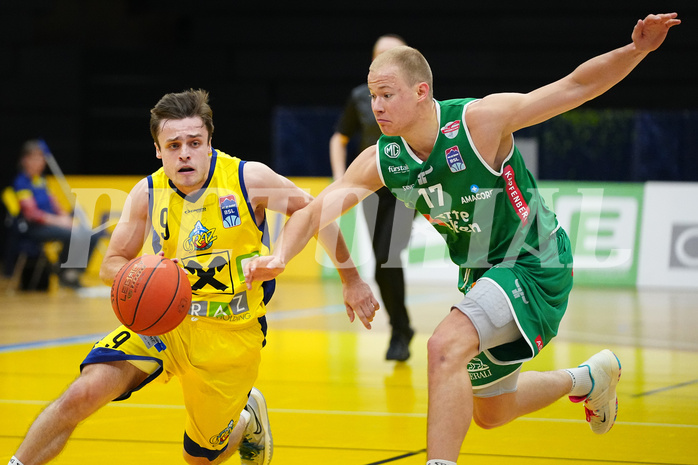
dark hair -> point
(181, 105)
(30, 146)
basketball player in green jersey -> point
(207, 210)
(456, 162)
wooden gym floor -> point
(334, 399)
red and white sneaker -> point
(601, 404)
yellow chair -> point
(46, 254)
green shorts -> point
(536, 289)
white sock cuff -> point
(581, 381)
(440, 462)
(14, 461)
(246, 415)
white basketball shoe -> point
(257, 445)
(601, 404)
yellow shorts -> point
(216, 366)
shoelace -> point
(589, 413)
(249, 451)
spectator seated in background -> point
(46, 220)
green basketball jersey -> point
(486, 217)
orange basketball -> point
(151, 295)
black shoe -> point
(399, 348)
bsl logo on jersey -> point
(454, 159)
(229, 211)
(451, 129)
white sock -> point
(440, 462)
(246, 415)
(581, 381)
(15, 461)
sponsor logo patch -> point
(451, 129)
(223, 436)
(514, 194)
(518, 293)
(200, 238)
(478, 370)
(206, 274)
(539, 343)
(477, 195)
(422, 177)
(398, 169)
(235, 310)
(392, 150)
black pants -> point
(85, 242)
(390, 225)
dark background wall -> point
(84, 74)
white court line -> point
(348, 413)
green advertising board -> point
(603, 221)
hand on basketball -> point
(262, 268)
(151, 295)
(162, 254)
(359, 301)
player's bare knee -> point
(445, 352)
(91, 391)
(79, 401)
(492, 412)
(485, 423)
(437, 351)
(488, 419)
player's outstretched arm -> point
(269, 190)
(360, 179)
(509, 112)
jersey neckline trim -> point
(193, 197)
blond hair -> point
(411, 65)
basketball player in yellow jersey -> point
(207, 211)
(193, 227)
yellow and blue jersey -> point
(213, 232)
